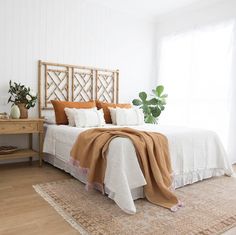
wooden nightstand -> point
(23, 126)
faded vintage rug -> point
(210, 208)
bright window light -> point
(195, 68)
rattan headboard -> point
(75, 83)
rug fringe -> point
(60, 211)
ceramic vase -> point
(15, 112)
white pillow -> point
(70, 116)
(70, 113)
(89, 118)
(50, 119)
(129, 117)
(113, 115)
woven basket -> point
(7, 149)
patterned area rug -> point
(210, 208)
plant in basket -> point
(21, 97)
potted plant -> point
(152, 107)
(21, 96)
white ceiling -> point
(149, 9)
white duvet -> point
(195, 155)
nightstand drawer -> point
(26, 127)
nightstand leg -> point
(40, 149)
(30, 146)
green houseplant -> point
(153, 106)
(21, 96)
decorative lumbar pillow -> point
(71, 112)
(129, 117)
(89, 118)
(59, 108)
(105, 106)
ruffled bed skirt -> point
(180, 180)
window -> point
(195, 68)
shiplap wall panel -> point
(73, 32)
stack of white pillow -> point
(95, 118)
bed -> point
(195, 154)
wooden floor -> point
(22, 210)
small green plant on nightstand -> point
(21, 96)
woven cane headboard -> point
(75, 83)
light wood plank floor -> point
(23, 211)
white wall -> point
(75, 32)
(72, 32)
(195, 15)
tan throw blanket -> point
(90, 148)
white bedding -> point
(195, 155)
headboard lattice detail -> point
(82, 85)
(105, 86)
(56, 85)
(75, 83)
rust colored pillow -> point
(106, 106)
(59, 107)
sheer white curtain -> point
(196, 69)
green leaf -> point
(163, 102)
(9, 100)
(143, 96)
(156, 112)
(150, 119)
(162, 107)
(146, 109)
(159, 90)
(164, 96)
(137, 102)
(153, 101)
(155, 93)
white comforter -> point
(195, 155)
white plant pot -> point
(15, 112)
